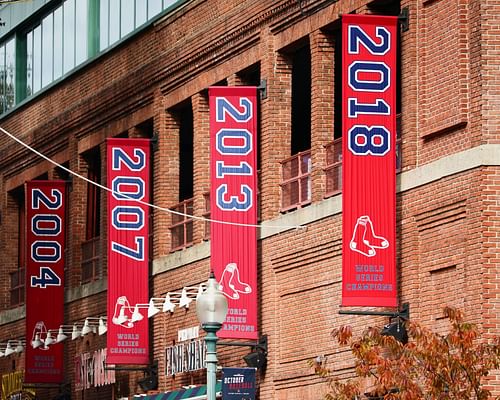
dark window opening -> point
(295, 185)
(337, 84)
(181, 229)
(123, 135)
(42, 177)
(93, 228)
(221, 83)
(185, 118)
(301, 100)
(146, 128)
(385, 7)
(61, 173)
(21, 246)
(90, 247)
(17, 277)
(250, 76)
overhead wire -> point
(145, 203)
(13, 1)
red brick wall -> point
(447, 230)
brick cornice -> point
(135, 90)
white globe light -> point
(211, 305)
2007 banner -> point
(45, 245)
(233, 193)
(369, 160)
(128, 177)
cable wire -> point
(168, 210)
(13, 1)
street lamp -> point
(211, 309)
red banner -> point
(369, 160)
(45, 243)
(233, 193)
(128, 177)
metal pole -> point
(404, 313)
(211, 359)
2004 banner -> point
(233, 131)
(128, 253)
(45, 245)
(369, 160)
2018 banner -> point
(45, 245)
(128, 177)
(369, 161)
(233, 193)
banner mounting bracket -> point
(404, 19)
(262, 88)
(403, 313)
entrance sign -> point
(128, 177)
(185, 357)
(45, 245)
(369, 160)
(233, 147)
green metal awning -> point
(195, 393)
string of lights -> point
(128, 314)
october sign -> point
(369, 163)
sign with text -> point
(128, 178)
(188, 333)
(233, 205)
(185, 357)
(13, 387)
(45, 245)
(238, 383)
(90, 370)
(369, 160)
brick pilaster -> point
(166, 175)
(322, 108)
(201, 168)
(275, 124)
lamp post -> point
(211, 309)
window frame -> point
(18, 277)
(19, 33)
(91, 250)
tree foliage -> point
(430, 366)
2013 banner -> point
(233, 201)
(128, 177)
(45, 245)
(369, 161)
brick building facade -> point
(154, 83)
